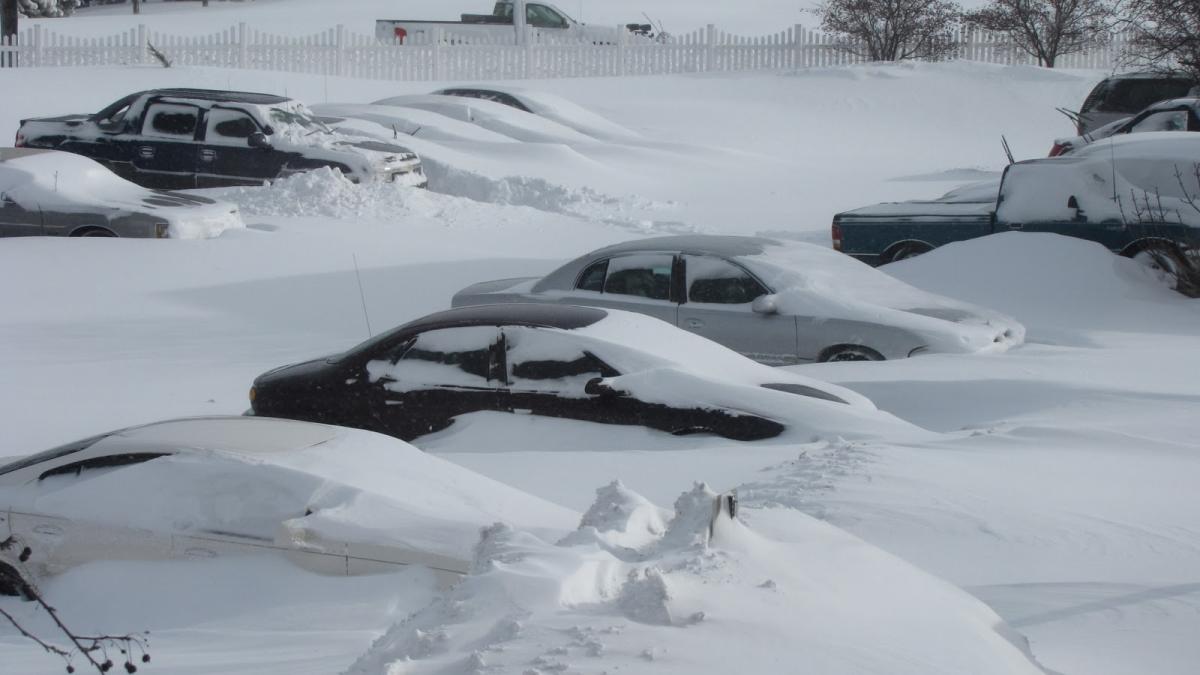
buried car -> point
(331, 500)
(579, 363)
(200, 138)
(1179, 114)
(775, 302)
(47, 192)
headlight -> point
(162, 230)
(253, 394)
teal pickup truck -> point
(1138, 195)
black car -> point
(559, 361)
(197, 138)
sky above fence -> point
(749, 17)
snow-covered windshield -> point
(295, 119)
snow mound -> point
(818, 600)
(321, 192)
(1057, 286)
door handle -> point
(1016, 226)
(694, 323)
(48, 530)
(200, 553)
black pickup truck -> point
(1138, 195)
(197, 138)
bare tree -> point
(47, 8)
(96, 650)
(1166, 35)
(1048, 29)
(891, 30)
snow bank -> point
(1064, 289)
(699, 596)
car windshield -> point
(295, 119)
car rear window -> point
(1132, 95)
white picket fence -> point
(444, 55)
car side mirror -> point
(765, 304)
(259, 140)
(598, 387)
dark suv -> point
(1119, 96)
(196, 138)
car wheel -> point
(94, 232)
(12, 584)
(1164, 260)
(905, 250)
(850, 353)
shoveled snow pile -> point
(622, 594)
(322, 192)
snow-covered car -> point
(331, 500)
(199, 138)
(1180, 114)
(775, 302)
(492, 116)
(543, 104)
(580, 363)
(47, 192)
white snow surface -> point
(1056, 481)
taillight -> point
(836, 231)
(1057, 149)
(19, 142)
(401, 34)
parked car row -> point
(1134, 193)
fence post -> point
(437, 54)
(798, 46)
(710, 48)
(36, 55)
(242, 47)
(526, 51)
(621, 41)
(339, 58)
(143, 42)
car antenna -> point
(1007, 150)
(362, 297)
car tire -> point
(849, 353)
(1163, 258)
(12, 584)
(94, 232)
(905, 250)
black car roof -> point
(565, 317)
(220, 95)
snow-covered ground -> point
(1056, 483)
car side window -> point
(592, 278)
(541, 16)
(1167, 120)
(646, 275)
(718, 281)
(449, 357)
(229, 127)
(105, 462)
(547, 360)
(170, 120)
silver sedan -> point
(776, 302)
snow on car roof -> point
(242, 435)
(7, 154)
(218, 95)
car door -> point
(547, 373)
(421, 384)
(719, 305)
(225, 156)
(165, 156)
(17, 220)
(637, 282)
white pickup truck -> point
(546, 20)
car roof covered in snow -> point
(7, 154)
(249, 97)
(566, 317)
